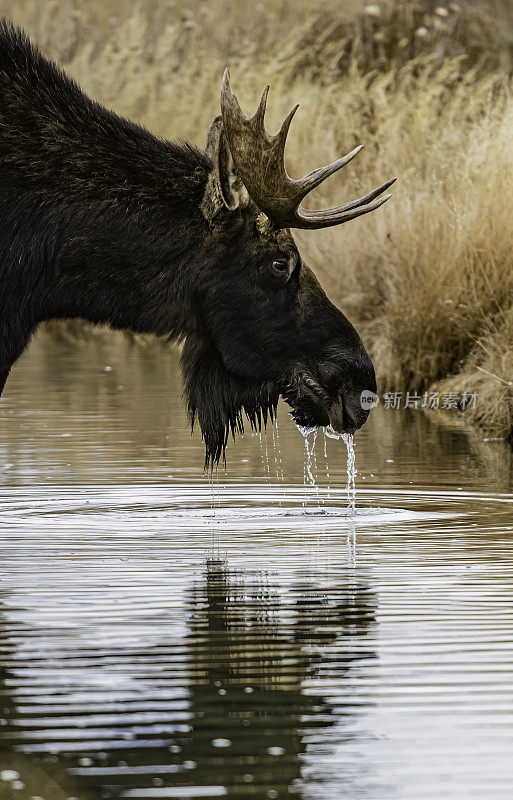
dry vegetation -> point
(425, 86)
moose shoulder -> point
(103, 221)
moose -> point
(103, 221)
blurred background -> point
(426, 86)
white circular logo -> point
(368, 400)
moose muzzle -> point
(347, 414)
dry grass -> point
(488, 370)
(425, 86)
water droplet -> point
(351, 472)
(9, 775)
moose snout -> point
(348, 414)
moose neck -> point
(125, 258)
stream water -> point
(167, 636)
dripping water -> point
(351, 472)
(215, 502)
(326, 463)
(348, 439)
(278, 462)
(310, 463)
(264, 453)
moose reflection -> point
(219, 702)
(251, 650)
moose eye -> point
(280, 266)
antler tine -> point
(317, 176)
(258, 117)
(335, 216)
(229, 99)
(281, 136)
(259, 161)
(366, 199)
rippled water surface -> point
(163, 635)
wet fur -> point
(221, 401)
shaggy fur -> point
(103, 221)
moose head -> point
(267, 327)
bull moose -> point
(103, 221)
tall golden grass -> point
(426, 87)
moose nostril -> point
(350, 418)
(341, 418)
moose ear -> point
(224, 188)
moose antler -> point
(259, 162)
